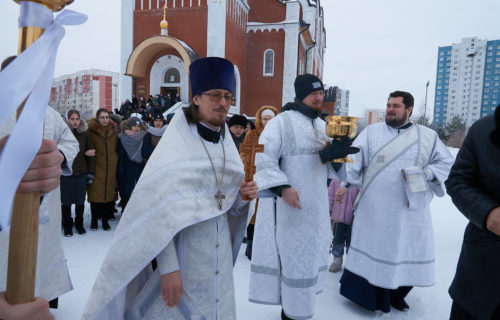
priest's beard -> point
(215, 117)
(396, 122)
(216, 122)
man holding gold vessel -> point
(399, 168)
(294, 239)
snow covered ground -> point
(85, 253)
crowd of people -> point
(147, 108)
(178, 247)
(113, 152)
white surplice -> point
(52, 278)
(290, 253)
(173, 212)
(392, 244)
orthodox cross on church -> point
(248, 149)
(165, 11)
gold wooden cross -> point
(248, 149)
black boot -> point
(397, 297)
(79, 208)
(283, 316)
(400, 305)
(105, 224)
(248, 251)
(67, 220)
(94, 211)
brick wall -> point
(262, 90)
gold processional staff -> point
(23, 241)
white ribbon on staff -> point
(32, 71)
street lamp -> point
(425, 102)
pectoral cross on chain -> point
(219, 196)
(247, 154)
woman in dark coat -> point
(474, 186)
(130, 161)
(74, 187)
(101, 193)
(155, 132)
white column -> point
(216, 28)
(291, 50)
(127, 32)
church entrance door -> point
(168, 75)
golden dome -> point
(164, 24)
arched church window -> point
(172, 76)
(269, 63)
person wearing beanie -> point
(187, 211)
(237, 125)
(156, 129)
(130, 160)
(294, 167)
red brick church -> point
(269, 42)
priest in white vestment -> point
(399, 168)
(186, 211)
(52, 277)
(293, 236)
(42, 176)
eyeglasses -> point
(216, 96)
(104, 118)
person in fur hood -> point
(130, 160)
(101, 192)
(74, 187)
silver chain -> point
(217, 184)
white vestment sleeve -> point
(440, 165)
(269, 173)
(167, 259)
(239, 207)
(66, 141)
(355, 170)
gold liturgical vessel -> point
(341, 127)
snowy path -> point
(85, 254)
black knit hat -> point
(237, 119)
(305, 84)
(157, 115)
(134, 121)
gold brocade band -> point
(54, 5)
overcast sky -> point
(373, 47)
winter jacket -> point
(149, 145)
(83, 164)
(128, 171)
(474, 186)
(105, 141)
(341, 212)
